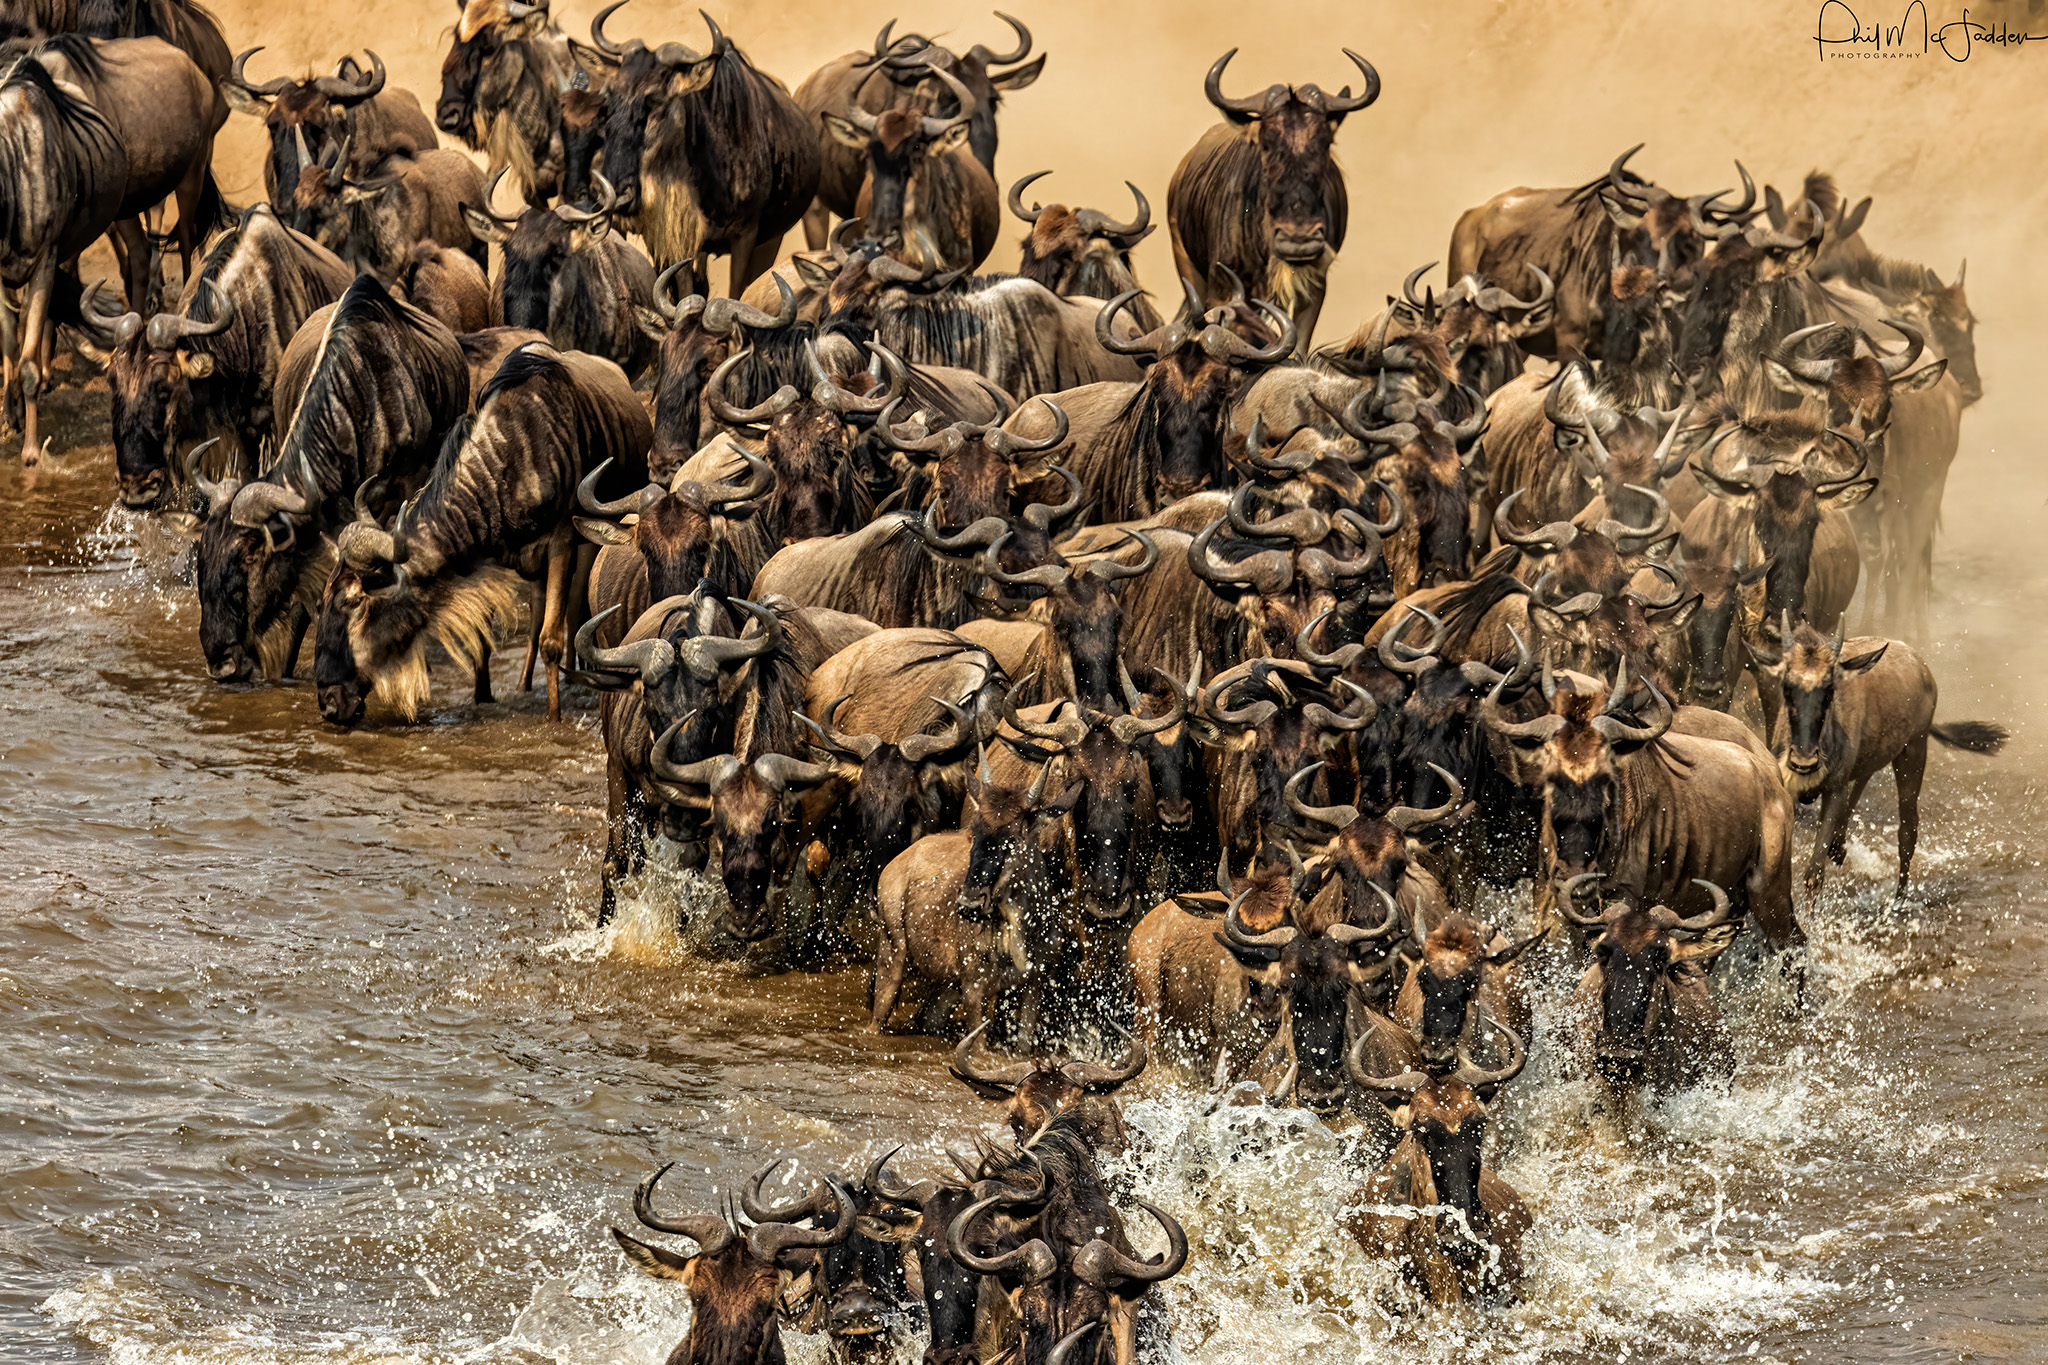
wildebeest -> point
(1654, 810)
(1460, 1234)
(208, 367)
(923, 182)
(735, 1280)
(1033, 1091)
(1261, 194)
(387, 383)
(495, 510)
(447, 283)
(1853, 706)
(1613, 245)
(501, 91)
(374, 222)
(566, 273)
(1084, 252)
(896, 73)
(1644, 1005)
(307, 118)
(709, 155)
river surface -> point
(313, 1052)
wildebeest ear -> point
(949, 140)
(659, 1262)
(186, 523)
(596, 63)
(1863, 661)
(1620, 216)
(815, 273)
(358, 194)
(1064, 802)
(693, 77)
(483, 226)
(600, 532)
(1677, 617)
(1026, 750)
(195, 364)
(242, 102)
(1017, 77)
(651, 322)
(1201, 907)
(585, 236)
(846, 132)
(1788, 382)
(1923, 378)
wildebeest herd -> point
(1121, 678)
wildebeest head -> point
(1283, 572)
(1424, 455)
(1617, 454)
(1853, 377)
(1440, 732)
(1315, 975)
(1715, 637)
(899, 787)
(1955, 330)
(973, 468)
(1082, 610)
(1197, 363)
(646, 87)
(1578, 740)
(896, 144)
(1480, 324)
(1034, 1091)
(697, 335)
(1042, 1229)
(1296, 125)
(752, 807)
(1785, 482)
(246, 574)
(1016, 862)
(914, 65)
(734, 1281)
(1453, 961)
(306, 119)
(1083, 252)
(1287, 718)
(685, 671)
(151, 369)
(1812, 667)
(1446, 1115)
(855, 1282)
(1637, 950)
(681, 530)
(538, 245)
(1728, 299)
(1099, 750)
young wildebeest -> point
(1462, 1237)
(735, 1281)
(496, 510)
(566, 273)
(1852, 707)
(1648, 1016)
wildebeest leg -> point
(554, 631)
(1829, 840)
(300, 619)
(817, 226)
(1907, 771)
(621, 833)
(742, 264)
(533, 615)
(35, 315)
(482, 695)
(888, 983)
(1305, 314)
(132, 245)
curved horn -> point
(1237, 348)
(1335, 817)
(1612, 727)
(1034, 1259)
(1410, 818)
(597, 38)
(1342, 103)
(269, 89)
(587, 499)
(1497, 719)
(1323, 718)
(1662, 460)
(1003, 1081)
(752, 1202)
(1267, 572)
(1621, 533)
(603, 195)
(711, 1233)
(1615, 183)
(1109, 570)
(491, 193)
(1700, 923)
(1103, 1266)
(1390, 923)
(1404, 1083)
(650, 660)
(882, 1183)
(760, 482)
(935, 127)
(166, 330)
(346, 93)
(1303, 525)
(1108, 339)
(1305, 650)
(1015, 199)
(1272, 941)
(1212, 86)
(1102, 1077)
(721, 315)
(769, 1240)
(1479, 1077)
(1023, 43)
(779, 402)
(1402, 658)
(1128, 729)
(258, 502)
(1546, 539)
(1807, 368)
(1137, 226)
(1009, 444)
(1568, 905)
(1895, 365)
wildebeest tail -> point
(1973, 736)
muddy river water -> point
(312, 1050)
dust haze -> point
(1477, 97)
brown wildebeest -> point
(896, 73)
(708, 153)
(1031, 1092)
(735, 1281)
(1647, 1015)
(1461, 979)
(1655, 810)
(1084, 252)
(1261, 194)
(1613, 245)
(1852, 707)
(305, 118)
(1464, 1238)
(923, 182)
